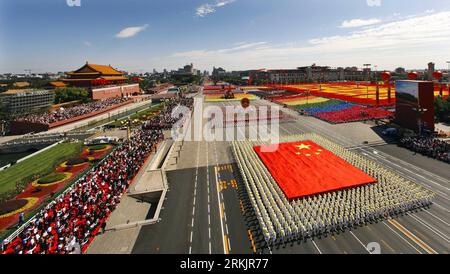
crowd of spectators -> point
(428, 146)
(68, 113)
(70, 223)
(165, 120)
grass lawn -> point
(142, 115)
(77, 161)
(40, 164)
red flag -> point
(305, 168)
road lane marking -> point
(413, 237)
(207, 187)
(388, 246)
(418, 251)
(402, 168)
(447, 224)
(430, 227)
(220, 212)
(441, 207)
(365, 247)
(195, 194)
(227, 251)
(327, 132)
(252, 242)
(315, 245)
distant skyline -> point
(139, 36)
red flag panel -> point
(304, 168)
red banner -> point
(305, 168)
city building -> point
(311, 73)
(20, 101)
(187, 70)
(218, 72)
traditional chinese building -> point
(91, 75)
(102, 81)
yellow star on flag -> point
(303, 146)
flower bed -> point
(97, 147)
(320, 104)
(330, 108)
(14, 207)
(77, 161)
(52, 179)
(10, 206)
(353, 114)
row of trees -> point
(35, 83)
(181, 80)
(146, 84)
(64, 95)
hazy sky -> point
(139, 35)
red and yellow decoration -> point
(31, 201)
(67, 175)
(108, 147)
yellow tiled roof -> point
(108, 70)
(58, 84)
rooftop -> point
(23, 92)
(92, 69)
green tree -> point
(64, 95)
(442, 109)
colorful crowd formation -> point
(284, 221)
(71, 222)
(359, 93)
(332, 110)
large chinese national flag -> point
(305, 168)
